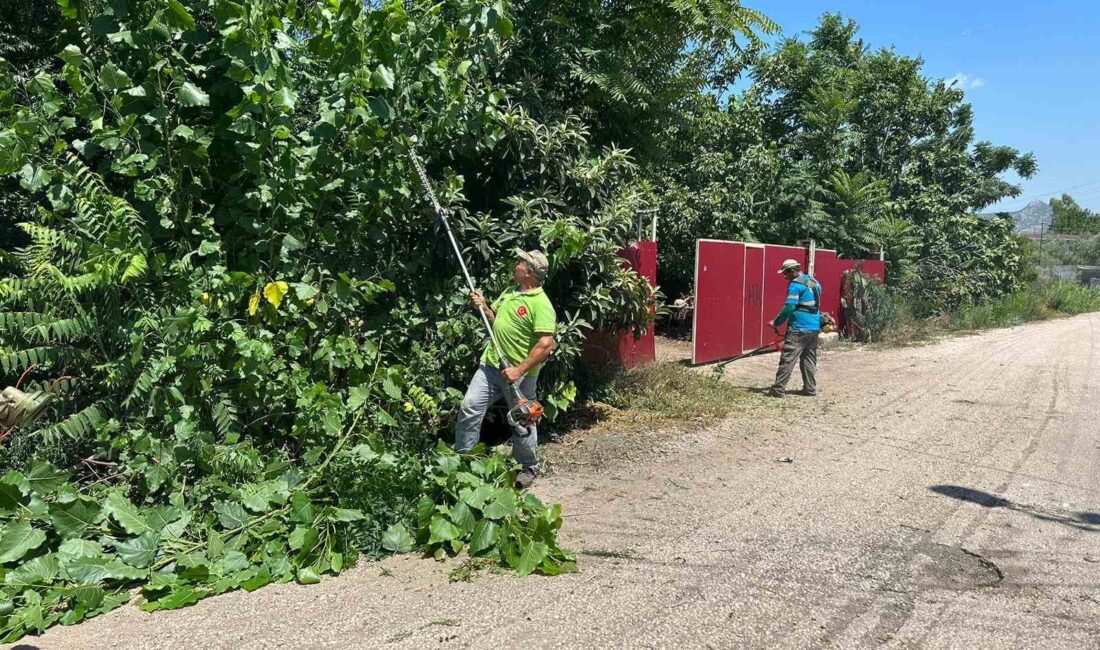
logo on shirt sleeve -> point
(522, 311)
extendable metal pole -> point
(442, 214)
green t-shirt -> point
(522, 318)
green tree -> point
(626, 68)
(1071, 218)
(869, 124)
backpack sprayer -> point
(522, 412)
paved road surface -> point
(939, 497)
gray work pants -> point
(800, 347)
(486, 387)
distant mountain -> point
(1028, 219)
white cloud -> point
(965, 82)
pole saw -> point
(522, 412)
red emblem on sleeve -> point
(522, 311)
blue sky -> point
(1030, 68)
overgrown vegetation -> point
(230, 261)
(893, 319)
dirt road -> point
(941, 496)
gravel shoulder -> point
(942, 496)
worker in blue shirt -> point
(802, 314)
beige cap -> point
(536, 261)
(788, 265)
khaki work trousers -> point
(798, 347)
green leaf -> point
(177, 598)
(74, 518)
(44, 478)
(442, 530)
(87, 569)
(425, 507)
(303, 538)
(285, 97)
(302, 290)
(125, 513)
(11, 498)
(532, 556)
(308, 576)
(503, 506)
(233, 561)
(18, 538)
(139, 551)
(381, 108)
(90, 596)
(301, 509)
(231, 514)
(391, 389)
(462, 517)
(112, 78)
(257, 497)
(291, 244)
(504, 27)
(38, 571)
(178, 17)
(347, 515)
(484, 537)
(261, 579)
(476, 497)
(397, 539)
(74, 548)
(382, 77)
(162, 517)
(191, 95)
(358, 396)
(72, 55)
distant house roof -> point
(1034, 236)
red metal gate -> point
(738, 290)
(622, 348)
(719, 299)
(754, 297)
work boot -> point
(774, 392)
(526, 477)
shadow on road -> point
(1089, 521)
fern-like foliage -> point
(77, 426)
(63, 315)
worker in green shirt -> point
(523, 322)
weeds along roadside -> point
(895, 321)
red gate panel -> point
(639, 351)
(754, 296)
(719, 294)
(738, 291)
(622, 348)
(876, 268)
(827, 273)
(775, 285)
